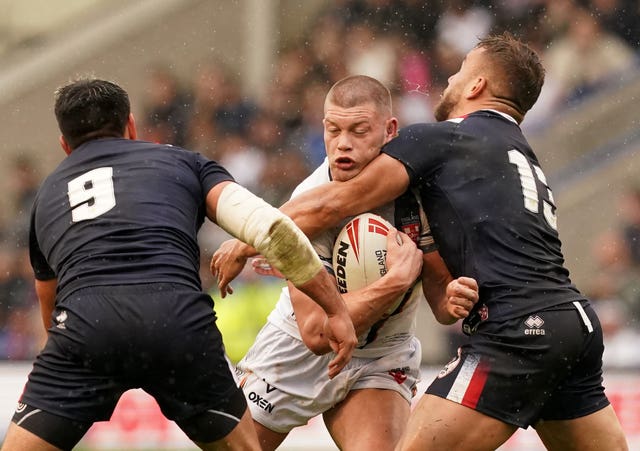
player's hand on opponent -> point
(404, 259)
(462, 295)
(342, 339)
(229, 261)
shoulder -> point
(422, 141)
(424, 133)
(316, 178)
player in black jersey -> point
(534, 353)
(114, 251)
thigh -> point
(269, 440)
(35, 429)
(21, 439)
(439, 424)
(593, 432)
(368, 419)
(241, 438)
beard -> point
(445, 106)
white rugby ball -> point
(360, 253)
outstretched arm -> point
(251, 219)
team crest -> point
(411, 226)
(399, 374)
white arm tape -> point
(273, 234)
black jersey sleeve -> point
(421, 148)
(211, 173)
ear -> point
(476, 88)
(131, 131)
(391, 130)
(65, 145)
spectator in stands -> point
(630, 212)
(24, 180)
(20, 330)
(620, 17)
(208, 92)
(309, 135)
(166, 113)
(586, 57)
(615, 277)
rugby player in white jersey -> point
(283, 375)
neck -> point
(505, 106)
(488, 104)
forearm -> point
(370, 304)
(435, 278)
(438, 305)
(46, 293)
(323, 291)
(450, 299)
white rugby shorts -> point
(286, 384)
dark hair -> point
(520, 69)
(88, 109)
(356, 90)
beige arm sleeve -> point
(273, 234)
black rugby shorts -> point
(158, 337)
(542, 366)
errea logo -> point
(534, 325)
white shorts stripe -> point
(463, 379)
(224, 414)
(583, 315)
(27, 416)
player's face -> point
(447, 107)
(353, 137)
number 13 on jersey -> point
(532, 198)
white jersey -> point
(400, 326)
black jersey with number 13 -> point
(490, 209)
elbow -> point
(315, 340)
(318, 345)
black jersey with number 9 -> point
(118, 212)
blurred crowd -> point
(615, 284)
(271, 142)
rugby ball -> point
(360, 253)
